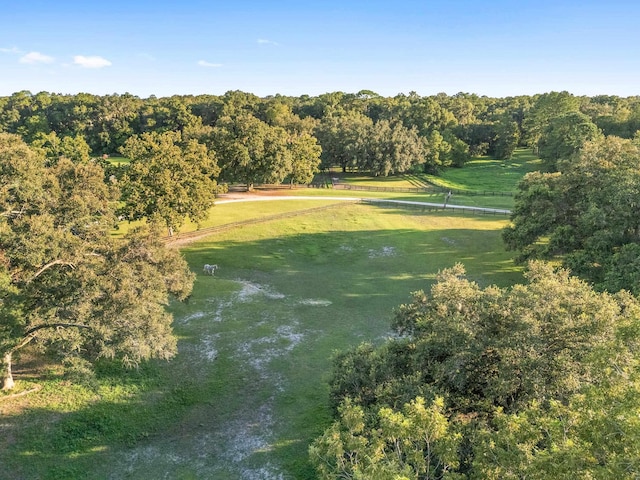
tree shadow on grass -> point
(338, 287)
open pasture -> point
(485, 174)
(436, 196)
(247, 391)
(484, 181)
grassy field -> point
(225, 213)
(483, 174)
(115, 160)
(484, 181)
(490, 201)
(247, 391)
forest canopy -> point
(381, 135)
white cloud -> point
(36, 57)
(204, 63)
(91, 62)
(14, 50)
(264, 41)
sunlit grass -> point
(480, 175)
(118, 161)
(328, 280)
(489, 175)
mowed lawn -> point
(483, 182)
(247, 392)
(485, 174)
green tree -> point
(391, 148)
(238, 103)
(345, 140)
(437, 152)
(305, 158)
(66, 285)
(416, 442)
(545, 107)
(279, 113)
(168, 179)
(507, 137)
(251, 151)
(585, 216)
(425, 114)
(75, 148)
(459, 153)
(592, 435)
(563, 136)
(518, 378)
(117, 118)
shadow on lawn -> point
(361, 274)
(346, 261)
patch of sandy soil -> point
(315, 302)
(231, 448)
(250, 290)
(382, 252)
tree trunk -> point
(5, 371)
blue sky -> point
(497, 48)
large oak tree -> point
(586, 215)
(251, 151)
(66, 284)
(168, 179)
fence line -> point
(371, 188)
(205, 232)
(431, 207)
(432, 189)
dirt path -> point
(280, 195)
(272, 195)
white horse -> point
(209, 269)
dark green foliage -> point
(169, 179)
(544, 108)
(563, 136)
(500, 371)
(251, 151)
(343, 140)
(65, 283)
(587, 216)
(507, 138)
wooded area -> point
(537, 380)
(381, 135)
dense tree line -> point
(365, 131)
(585, 214)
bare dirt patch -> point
(250, 290)
(315, 302)
(382, 252)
